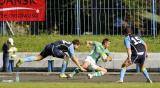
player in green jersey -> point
(98, 51)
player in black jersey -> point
(137, 52)
(61, 49)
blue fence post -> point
(11, 66)
(154, 18)
(50, 65)
(78, 18)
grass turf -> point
(79, 85)
(37, 43)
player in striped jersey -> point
(137, 53)
(60, 49)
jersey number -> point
(136, 40)
(66, 42)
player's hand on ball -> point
(109, 58)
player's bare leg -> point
(126, 64)
(145, 73)
(64, 66)
(77, 70)
(28, 59)
(100, 71)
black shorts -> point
(47, 51)
(50, 50)
(138, 59)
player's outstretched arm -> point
(146, 48)
(75, 60)
(129, 52)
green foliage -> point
(148, 15)
(143, 7)
(37, 43)
(136, 4)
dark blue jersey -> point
(135, 43)
(64, 46)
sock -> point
(145, 73)
(97, 74)
(64, 66)
(122, 73)
(76, 71)
(29, 59)
(137, 68)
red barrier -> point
(22, 10)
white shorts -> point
(92, 63)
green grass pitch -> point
(78, 85)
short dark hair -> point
(126, 30)
(76, 42)
(105, 40)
